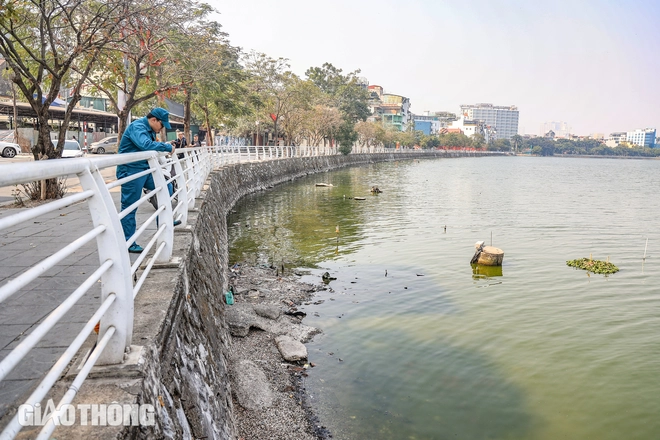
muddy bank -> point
(268, 392)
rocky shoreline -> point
(268, 363)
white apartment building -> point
(615, 139)
(502, 119)
(642, 138)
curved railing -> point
(120, 279)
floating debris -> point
(325, 185)
(595, 266)
(327, 278)
(375, 190)
(359, 198)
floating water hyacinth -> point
(594, 266)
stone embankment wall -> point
(184, 366)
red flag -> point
(273, 116)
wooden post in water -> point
(647, 245)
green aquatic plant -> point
(595, 266)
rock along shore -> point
(268, 391)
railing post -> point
(190, 180)
(111, 245)
(199, 168)
(180, 179)
(165, 217)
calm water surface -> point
(433, 350)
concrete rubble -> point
(267, 342)
(290, 349)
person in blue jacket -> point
(140, 135)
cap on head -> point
(163, 116)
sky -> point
(594, 64)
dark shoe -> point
(177, 222)
(135, 249)
(152, 199)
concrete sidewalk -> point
(20, 248)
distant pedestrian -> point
(180, 142)
(139, 136)
(196, 142)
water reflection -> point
(297, 224)
(479, 271)
(430, 390)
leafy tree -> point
(386, 135)
(516, 142)
(215, 85)
(455, 140)
(273, 83)
(145, 64)
(478, 140)
(346, 91)
(212, 80)
(346, 137)
(321, 122)
(431, 142)
(43, 43)
(303, 96)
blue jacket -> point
(140, 137)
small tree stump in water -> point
(491, 256)
(487, 255)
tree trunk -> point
(275, 130)
(44, 148)
(186, 116)
(123, 123)
(209, 135)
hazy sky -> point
(594, 64)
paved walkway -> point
(20, 248)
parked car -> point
(72, 149)
(9, 149)
(107, 145)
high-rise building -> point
(502, 120)
(560, 128)
(642, 138)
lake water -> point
(416, 345)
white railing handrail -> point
(115, 312)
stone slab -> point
(266, 311)
(291, 349)
(252, 388)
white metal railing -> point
(186, 172)
(115, 311)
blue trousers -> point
(131, 193)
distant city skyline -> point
(592, 62)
